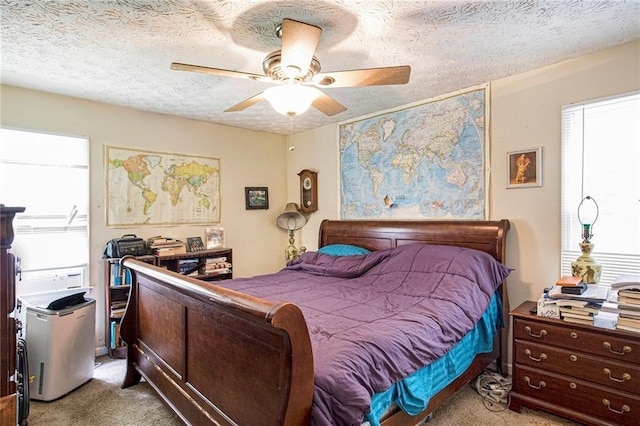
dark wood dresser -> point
(8, 350)
(584, 373)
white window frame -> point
(51, 245)
(595, 174)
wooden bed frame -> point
(216, 356)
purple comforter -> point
(376, 318)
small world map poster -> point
(159, 188)
(421, 162)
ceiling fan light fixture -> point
(294, 68)
(290, 98)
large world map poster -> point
(422, 162)
(159, 188)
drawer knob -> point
(573, 335)
(573, 358)
(573, 385)
(541, 385)
(625, 349)
(543, 356)
(625, 408)
(543, 332)
(625, 376)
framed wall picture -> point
(256, 197)
(524, 168)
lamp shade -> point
(290, 98)
(291, 219)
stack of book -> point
(188, 266)
(216, 266)
(118, 308)
(578, 311)
(571, 285)
(628, 299)
(164, 246)
(577, 306)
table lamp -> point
(290, 220)
(585, 266)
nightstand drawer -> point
(605, 371)
(599, 401)
(574, 337)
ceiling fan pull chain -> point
(291, 146)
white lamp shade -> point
(290, 98)
(291, 219)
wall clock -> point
(308, 191)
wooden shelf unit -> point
(190, 262)
(116, 294)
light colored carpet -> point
(101, 401)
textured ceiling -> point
(119, 52)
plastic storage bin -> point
(59, 329)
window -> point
(601, 158)
(49, 175)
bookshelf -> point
(116, 296)
(207, 265)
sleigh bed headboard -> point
(487, 236)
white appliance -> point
(59, 328)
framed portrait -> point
(524, 168)
(256, 197)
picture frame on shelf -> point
(524, 168)
(214, 236)
(256, 197)
(195, 244)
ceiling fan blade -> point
(327, 105)
(364, 77)
(217, 71)
(299, 42)
(246, 103)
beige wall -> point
(525, 113)
(247, 158)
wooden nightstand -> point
(585, 373)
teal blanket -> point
(412, 394)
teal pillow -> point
(342, 250)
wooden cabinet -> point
(8, 350)
(209, 265)
(116, 296)
(585, 373)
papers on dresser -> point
(605, 319)
(626, 282)
(594, 293)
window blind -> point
(601, 158)
(49, 175)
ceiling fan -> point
(296, 72)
